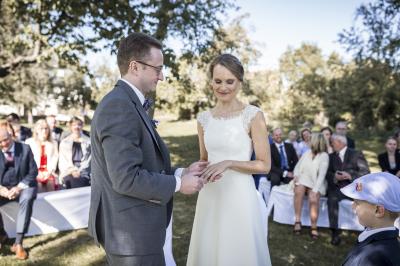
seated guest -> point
(292, 139)
(341, 129)
(327, 132)
(345, 165)
(283, 160)
(17, 183)
(56, 132)
(67, 132)
(304, 145)
(45, 152)
(309, 178)
(22, 133)
(75, 155)
(389, 161)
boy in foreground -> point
(377, 205)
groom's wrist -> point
(178, 177)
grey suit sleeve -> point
(119, 129)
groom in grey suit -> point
(132, 179)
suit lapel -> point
(148, 124)
(275, 153)
(17, 156)
(2, 166)
(386, 160)
(346, 156)
(142, 113)
(164, 151)
(397, 157)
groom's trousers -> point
(149, 260)
(120, 260)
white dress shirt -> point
(178, 171)
(368, 232)
(342, 153)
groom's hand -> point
(199, 166)
(191, 183)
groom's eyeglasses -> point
(158, 69)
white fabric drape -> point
(281, 199)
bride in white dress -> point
(228, 228)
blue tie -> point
(284, 165)
(147, 104)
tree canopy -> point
(70, 29)
(376, 33)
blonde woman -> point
(309, 178)
(45, 152)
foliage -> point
(34, 32)
(376, 34)
(103, 80)
(70, 29)
(267, 92)
(189, 92)
(304, 73)
(370, 90)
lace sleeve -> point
(249, 113)
(203, 118)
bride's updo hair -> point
(231, 63)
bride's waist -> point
(214, 160)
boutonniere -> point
(155, 123)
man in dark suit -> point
(283, 159)
(341, 129)
(18, 173)
(345, 165)
(132, 179)
(21, 132)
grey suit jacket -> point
(132, 179)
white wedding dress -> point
(228, 228)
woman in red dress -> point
(45, 152)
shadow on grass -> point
(66, 248)
(184, 149)
(289, 249)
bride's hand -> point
(198, 166)
(214, 171)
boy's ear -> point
(379, 211)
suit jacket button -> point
(162, 172)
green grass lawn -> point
(77, 248)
